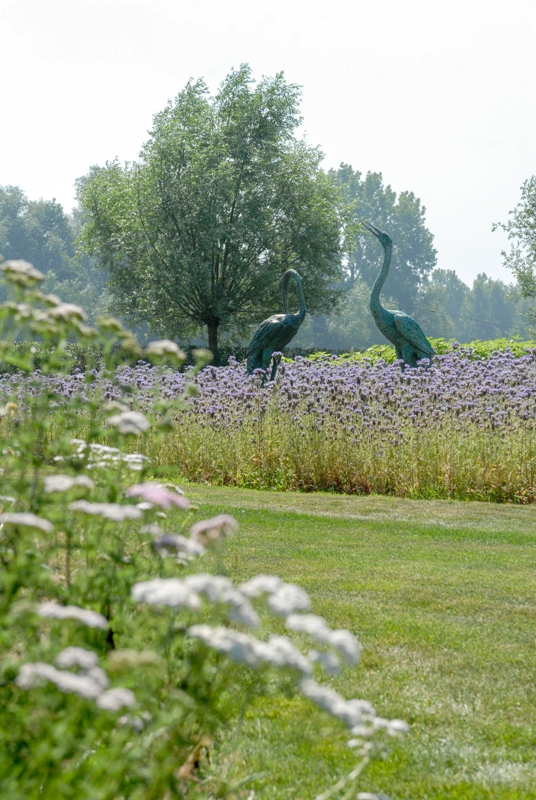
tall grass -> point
(445, 461)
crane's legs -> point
(275, 363)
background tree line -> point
(189, 242)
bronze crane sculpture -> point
(276, 332)
(410, 342)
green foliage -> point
(223, 200)
(38, 231)
(522, 229)
(476, 349)
(42, 233)
(350, 326)
(447, 307)
(402, 217)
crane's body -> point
(411, 345)
(277, 331)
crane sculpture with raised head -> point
(410, 342)
(276, 332)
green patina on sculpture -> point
(411, 345)
(276, 332)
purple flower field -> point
(463, 427)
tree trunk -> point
(213, 341)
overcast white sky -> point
(439, 95)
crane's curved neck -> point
(375, 304)
(299, 291)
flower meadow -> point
(127, 653)
(463, 427)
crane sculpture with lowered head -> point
(411, 345)
(277, 331)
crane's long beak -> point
(371, 228)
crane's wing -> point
(412, 331)
(266, 333)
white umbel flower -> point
(281, 652)
(175, 541)
(351, 712)
(31, 675)
(77, 657)
(25, 519)
(283, 598)
(219, 589)
(63, 483)
(246, 649)
(111, 511)
(22, 273)
(395, 727)
(347, 645)
(132, 423)
(165, 347)
(287, 599)
(116, 699)
(99, 676)
(68, 312)
(261, 584)
(316, 627)
(166, 592)
(328, 661)
(239, 647)
(90, 618)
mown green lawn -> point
(443, 598)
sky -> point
(437, 96)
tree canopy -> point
(38, 231)
(489, 309)
(521, 228)
(402, 216)
(224, 198)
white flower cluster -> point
(115, 699)
(184, 593)
(63, 483)
(25, 519)
(317, 628)
(283, 598)
(371, 796)
(184, 548)
(104, 456)
(171, 592)
(218, 589)
(165, 347)
(246, 649)
(328, 661)
(90, 618)
(21, 273)
(91, 684)
(115, 512)
(351, 712)
(67, 312)
(130, 423)
(358, 715)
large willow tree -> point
(223, 199)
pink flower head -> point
(213, 530)
(158, 494)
